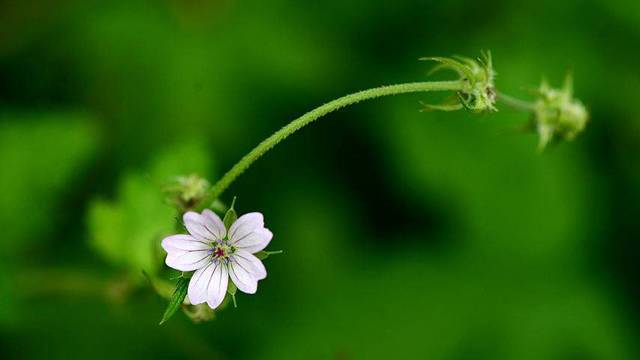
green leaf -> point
(44, 156)
(176, 299)
(231, 216)
(265, 254)
(127, 230)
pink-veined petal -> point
(218, 286)
(243, 280)
(209, 285)
(183, 243)
(214, 224)
(203, 227)
(245, 270)
(197, 290)
(251, 263)
(185, 253)
(245, 225)
(254, 241)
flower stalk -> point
(556, 113)
(516, 103)
(315, 114)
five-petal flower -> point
(216, 254)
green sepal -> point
(176, 299)
(265, 254)
(452, 64)
(231, 216)
(231, 289)
(441, 107)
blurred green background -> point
(406, 234)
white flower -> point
(217, 255)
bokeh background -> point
(406, 234)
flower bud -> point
(477, 77)
(200, 313)
(557, 114)
(187, 191)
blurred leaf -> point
(7, 300)
(188, 158)
(176, 299)
(41, 155)
(128, 231)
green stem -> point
(516, 103)
(317, 113)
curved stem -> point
(317, 113)
(516, 103)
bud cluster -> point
(185, 192)
(557, 114)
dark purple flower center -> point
(218, 252)
(221, 251)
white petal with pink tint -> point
(249, 262)
(254, 241)
(242, 277)
(209, 285)
(214, 224)
(185, 253)
(205, 226)
(217, 288)
(245, 225)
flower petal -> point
(197, 290)
(252, 263)
(245, 224)
(207, 226)
(185, 253)
(254, 241)
(243, 279)
(245, 270)
(218, 286)
(182, 243)
(188, 260)
(209, 284)
(214, 224)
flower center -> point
(221, 251)
(218, 252)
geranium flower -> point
(216, 254)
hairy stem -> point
(317, 113)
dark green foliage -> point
(176, 299)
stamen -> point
(219, 252)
